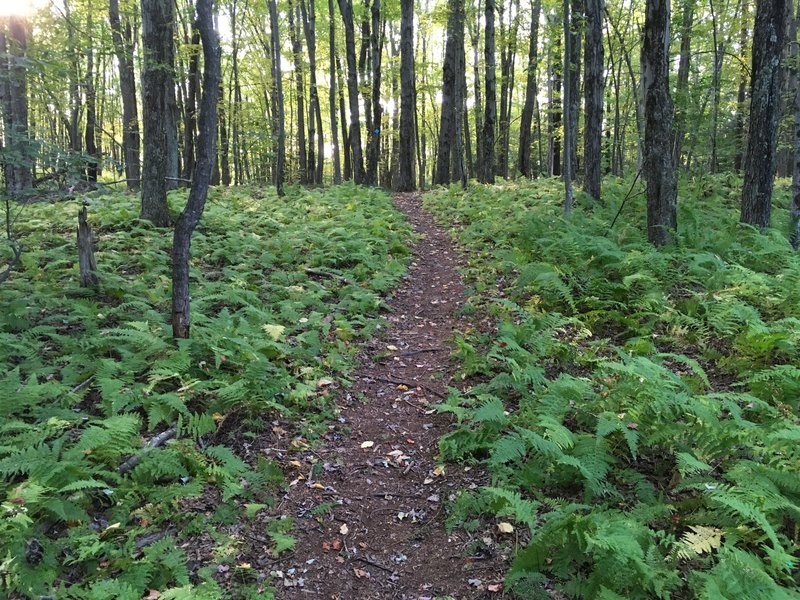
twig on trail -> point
(624, 200)
(328, 274)
(157, 441)
(413, 352)
(393, 495)
(409, 384)
(374, 564)
(80, 386)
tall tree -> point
(90, 132)
(759, 163)
(316, 159)
(157, 31)
(300, 129)
(573, 79)
(658, 167)
(346, 8)
(279, 127)
(122, 37)
(682, 87)
(448, 159)
(14, 45)
(490, 117)
(337, 169)
(375, 133)
(593, 87)
(531, 91)
(568, 122)
(794, 211)
(405, 176)
(201, 178)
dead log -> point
(86, 262)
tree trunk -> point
(794, 211)
(190, 106)
(123, 48)
(450, 129)
(157, 19)
(405, 175)
(337, 168)
(475, 35)
(314, 110)
(346, 8)
(507, 58)
(759, 164)
(593, 84)
(490, 116)
(681, 91)
(574, 80)
(658, 168)
(206, 151)
(279, 127)
(90, 133)
(297, 51)
(376, 133)
(568, 122)
(87, 266)
(531, 91)
(741, 95)
(19, 178)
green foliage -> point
(86, 377)
(638, 408)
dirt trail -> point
(386, 539)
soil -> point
(378, 530)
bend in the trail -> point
(386, 538)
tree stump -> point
(88, 267)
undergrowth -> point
(638, 408)
(281, 290)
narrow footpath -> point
(383, 536)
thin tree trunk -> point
(348, 158)
(277, 102)
(568, 123)
(531, 91)
(759, 163)
(405, 175)
(594, 89)
(577, 11)
(346, 9)
(376, 132)
(794, 210)
(297, 51)
(123, 48)
(90, 132)
(190, 106)
(741, 95)
(337, 168)
(475, 36)
(658, 167)
(314, 110)
(206, 151)
(450, 97)
(681, 91)
(490, 116)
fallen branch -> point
(374, 564)
(157, 441)
(328, 274)
(82, 385)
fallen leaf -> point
(368, 444)
(495, 587)
(296, 463)
(361, 573)
(474, 582)
(439, 471)
(324, 382)
(633, 426)
(402, 387)
(336, 544)
(344, 529)
(505, 527)
(391, 347)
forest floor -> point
(383, 533)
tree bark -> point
(490, 116)
(448, 158)
(123, 48)
(794, 210)
(19, 178)
(594, 89)
(574, 81)
(201, 179)
(405, 175)
(681, 91)
(297, 51)
(531, 91)
(376, 133)
(346, 9)
(568, 122)
(658, 167)
(759, 166)
(157, 21)
(741, 94)
(337, 168)
(279, 127)
(86, 263)
(316, 161)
